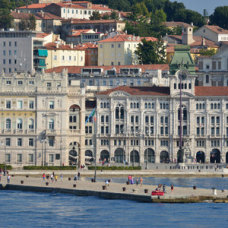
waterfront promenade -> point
(135, 192)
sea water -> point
(26, 209)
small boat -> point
(157, 193)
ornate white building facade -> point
(139, 125)
(41, 120)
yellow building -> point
(118, 50)
(61, 54)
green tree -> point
(105, 16)
(5, 21)
(220, 17)
(32, 22)
(114, 15)
(23, 25)
(95, 16)
(207, 52)
(158, 17)
(151, 52)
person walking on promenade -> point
(137, 181)
(75, 177)
(61, 177)
(8, 179)
(52, 178)
(44, 176)
(141, 181)
(1, 175)
(56, 178)
(172, 187)
(79, 174)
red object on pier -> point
(157, 193)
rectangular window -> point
(51, 104)
(8, 104)
(30, 158)
(19, 158)
(51, 158)
(31, 142)
(31, 104)
(8, 142)
(8, 158)
(19, 104)
(51, 141)
(19, 141)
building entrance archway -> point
(200, 157)
(164, 157)
(119, 155)
(215, 156)
(104, 156)
(134, 156)
(149, 155)
(180, 156)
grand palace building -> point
(48, 119)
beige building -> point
(41, 120)
(76, 10)
(61, 54)
(118, 50)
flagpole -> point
(95, 151)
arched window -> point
(8, 124)
(31, 124)
(51, 124)
(19, 123)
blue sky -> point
(199, 5)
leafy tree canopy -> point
(151, 52)
(220, 17)
(95, 16)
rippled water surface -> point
(25, 209)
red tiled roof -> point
(217, 29)
(77, 69)
(34, 6)
(53, 46)
(42, 35)
(78, 32)
(135, 91)
(149, 38)
(206, 91)
(47, 16)
(177, 37)
(69, 5)
(85, 21)
(199, 42)
(122, 38)
(17, 15)
(100, 7)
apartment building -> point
(61, 54)
(23, 51)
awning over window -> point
(42, 53)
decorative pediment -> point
(119, 94)
(184, 94)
